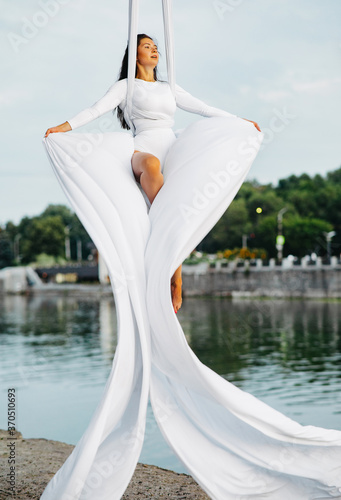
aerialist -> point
(153, 111)
(233, 444)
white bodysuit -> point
(152, 113)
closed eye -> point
(147, 45)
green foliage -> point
(42, 235)
(267, 200)
(266, 233)
(44, 259)
(77, 231)
(195, 258)
(42, 238)
(6, 254)
(231, 226)
(59, 210)
(313, 207)
(334, 177)
(304, 235)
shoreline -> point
(38, 459)
(247, 281)
(96, 290)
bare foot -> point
(176, 294)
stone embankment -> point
(37, 460)
(246, 280)
(304, 281)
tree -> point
(304, 235)
(41, 235)
(228, 231)
(265, 235)
(58, 210)
(268, 201)
(335, 176)
(6, 253)
(76, 229)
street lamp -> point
(79, 250)
(329, 239)
(16, 248)
(280, 240)
(67, 242)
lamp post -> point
(79, 250)
(16, 248)
(280, 240)
(329, 239)
(67, 243)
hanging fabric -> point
(169, 41)
(132, 48)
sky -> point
(275, 62)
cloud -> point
(274, 96)
(13, 96)
(318, 86)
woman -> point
(233, 444)
(153, 110)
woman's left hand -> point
(255, 124)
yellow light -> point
(259, 210)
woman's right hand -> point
(64, 127)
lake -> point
(57, 352)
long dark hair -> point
(124, 74)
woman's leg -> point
(176, 285)
(147, 171)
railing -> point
(286, 263)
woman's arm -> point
(64, 127)
(186, 101)
(113, 98)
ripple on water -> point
(290, 357)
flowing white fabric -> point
(234, 445)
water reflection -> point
(231, 335)
(58, 352)
(56, 338)
(288, 353)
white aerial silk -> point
(234, 445)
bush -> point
(45, 260)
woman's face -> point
(147, 53)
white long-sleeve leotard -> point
(153, 109)
(153, 105)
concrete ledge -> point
(264, 282)
(201, 280)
